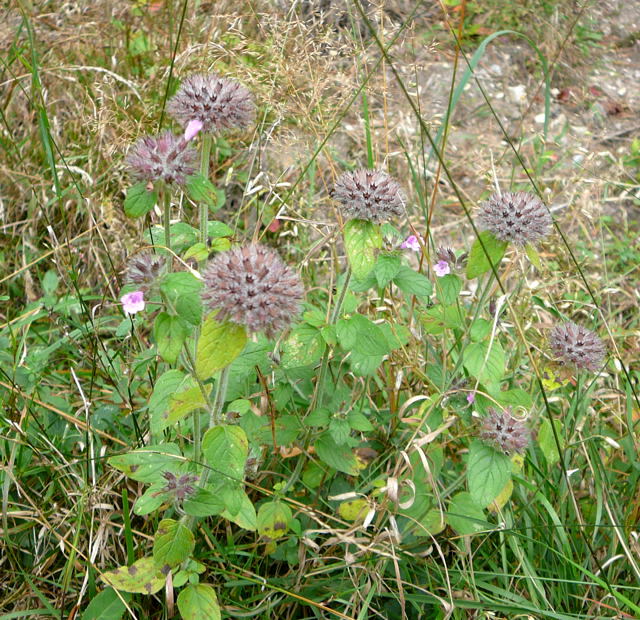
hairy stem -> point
(221, 393)
(205, 156)
(166, 216)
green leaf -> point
(387, 268)
(182, 291)
(396, 335)
(304, 346)
(488, 471)
(436, 319)
(197, 602)
(198, 251)
(359, 422)
(339, 430)
(220, 245)
(411, 282)
(364, 365)
(245, 517)
(142, 577)
(448, 288)
(547, 442)
(318, 417)
(173, 543)
(465, 516)
(139, 200)
(478, 262)
(147, 464)
(514, 398)
(203, 503)
(217, 229)
(106, 605)
(169, 383)
(485, 365)
(151, 500)
(533, 255)
(480, 329)
(184, 402)
(341, 458)
(219, 344)
(169, 332)
(226, 449)
(361, 239)
(201, 189)
(359, 334)
(274, 519)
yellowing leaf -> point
(219, 344)
(142, 577)
(503, 497)
(354, 509)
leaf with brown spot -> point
(142, 577)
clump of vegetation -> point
(288, 387)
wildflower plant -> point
(266, 385)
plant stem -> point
(205, 156)
(324, 364)
(318, 393)
(166, 216)
(221, 392)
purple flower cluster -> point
(577, 346)
(166, 157)
(369, 195)
(218, 103)
(504, 432)
(144, 269)
(252, 286)
(519, 217)
(180, 487)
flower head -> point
(369, 195)
(410, 243)
(577, 346)
(218, 103)
(504, 432)
(144, 269)
(252, 286)
(133, 302)
(180, 487)
(518, 217)
(166, 157)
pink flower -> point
(133, 302)
(442, 268)
(193, 129)
(411, 243)
(471, 396)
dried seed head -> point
(166, 157)
(577, 346)
(504, 432)
(515, 217)
(219, 103)
(369, 195)
(252, 286)
(144, 269)
(448, 256)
